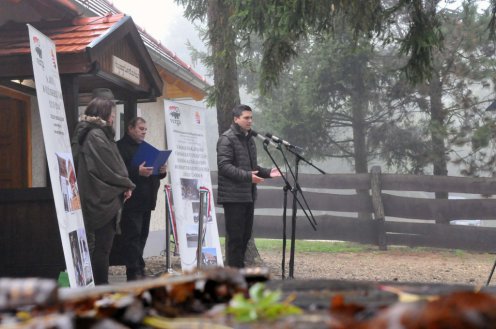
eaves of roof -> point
(160, 54)
(36, 10)
(82, 46)
(68, 38)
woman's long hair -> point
(100, 107)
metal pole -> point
(293, 224)
(284, 220)
(201, 214)
(168, 219)
(491, 274)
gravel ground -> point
(396, 264)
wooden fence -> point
(392, 218)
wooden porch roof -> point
(85, 46)
(69, 37)
(179, 80)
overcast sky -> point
(164, 21)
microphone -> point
(283, 142)
(264, 139)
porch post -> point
(70, 92)
(130, 110)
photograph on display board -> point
(189, 189)
(209, 257)
(68, 183)
(85, 255)
(76, 259)
(195, 206)
(192, 236)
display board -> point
(190, 173)
(59, 157)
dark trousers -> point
(100, 243)
(239, 224)
(135, 226)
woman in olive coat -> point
(103, 181)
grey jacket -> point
(101, 174)
(236, 159)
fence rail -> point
(388, 215)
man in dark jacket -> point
(137, 210)
(238, 175)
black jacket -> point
(236, 159)
(144, 197)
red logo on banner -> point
(54, 62)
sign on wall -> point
(59, 158)
(190, 174)
(125, 70)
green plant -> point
(262, 304)
(309, 246)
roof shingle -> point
(69, 36)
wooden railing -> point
(392, 216)
(30, 243)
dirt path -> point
(393, 265)
(398, 264)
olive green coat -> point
(101, 174)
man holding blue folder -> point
(137, 210)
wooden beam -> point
(130, 110)
(16, 91)
(70, 92)
(178, 88)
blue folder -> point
(151, 156)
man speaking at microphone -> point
(239, 175)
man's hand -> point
(145, 171)
(275, 173)
(255, 179)
(127, 194)
(163, 169)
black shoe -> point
(133, 275)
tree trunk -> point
(252, 256)
(437, 130)
(359, 103)
(222, 41)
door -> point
(13, 143)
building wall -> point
(153, 113)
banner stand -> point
(61, 167)
(189, 173)
(204, 195)
(169, 222)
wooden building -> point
(91, 52)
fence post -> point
(377, 205)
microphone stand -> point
(287, 187)
(297, 188)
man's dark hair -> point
(238, 109)
(100, 107)
(135, 121)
